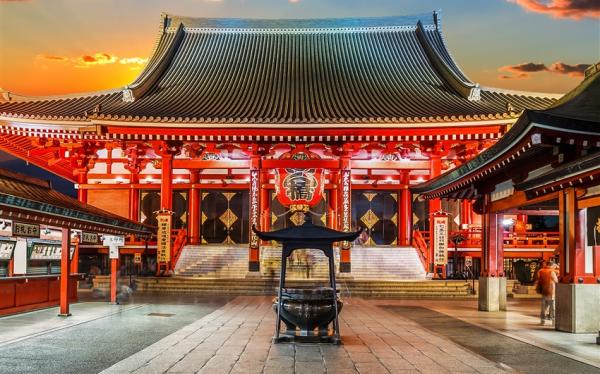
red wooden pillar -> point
(254, 247)
(114, 262)
(405, 211)
(82, 192)
(572, 237)
(493, 245)
(65, 273)
(194, 209)
(466, 212)
(345, 195)
(435, 205)
(166, 182)
(134, 198)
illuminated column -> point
(82, 192)
(346, 212)
(254, 250)
(194, 208)
(492, 284)
(435, 205)
(466, 212)
(65, 273)
(134, 198)
(578, 291)
(265, 198)
(404, 210)
(166, 182)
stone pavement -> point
(237, 339)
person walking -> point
(547, 281)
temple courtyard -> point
(189, 334)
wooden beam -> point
(518, 199)
(211, 164)
(391, 165)
(300, 164)
(588, 202)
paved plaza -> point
(187, 334)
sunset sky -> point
(63, 46)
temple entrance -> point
(377, 212)
(282, 217)
(224, 217)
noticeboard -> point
(7, 249)
(440, 239)
(163, 246)
(48, 252)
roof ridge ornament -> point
(128, 96)
(475, 93)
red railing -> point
(421, 245)
(527, 239)
(179, 241)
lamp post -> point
(456, 239)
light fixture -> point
(508, 222)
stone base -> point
(254, 266)
(345, 267)
(492, 294)
(578, 308)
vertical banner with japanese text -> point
(440, 239)
(163, 246)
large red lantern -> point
(299, 186)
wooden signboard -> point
(26, 230)
(440, 239)
(89, 237)
(163, 245)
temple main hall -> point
(237, 123)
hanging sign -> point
(299, 186)
(113, 242)
(49, 252)
(89, 237)
(6, 226)
(163, 245)
(50, 233)
(6, 250)
(440, 239)
(26, 229)
(469, 261)
(137, 258)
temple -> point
(242, 122)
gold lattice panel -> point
(395, 219)
(297, 218)
(273, 218)
(369, 219)
(394, 196)
(204, 217)
(229, 195)
(228, 218)
(324, 219)
(370, 195)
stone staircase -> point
(348, 287)
(213, 261)
(386, 263)
(368, 263)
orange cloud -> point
(96, 59)
(570, 70)
(53, 58)
(574, 9)
(523, 71)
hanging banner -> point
(26, 229)
(163, 245)
(440, 239)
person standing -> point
(547, 281)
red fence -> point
(20, 294)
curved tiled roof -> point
(390, 69)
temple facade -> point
(237, 123)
